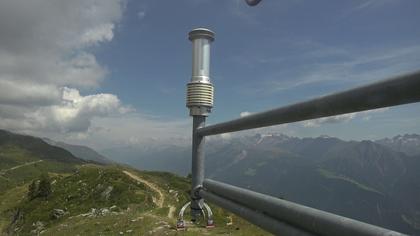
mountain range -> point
(408, 143)
(373, 181)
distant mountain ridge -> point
(407, 143)
(82, 152)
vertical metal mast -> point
(200, 102)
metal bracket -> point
(180, 225)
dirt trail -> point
(171, 211)
(160, 200)
(19, 166)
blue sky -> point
(267, 56)
(274, 54)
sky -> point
(109, 73)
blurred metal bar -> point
(266, 222)
(252, 2)
(302, 217)
(396, 91)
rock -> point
(104, 211)
(107, 192)
(58, 213)
(137, 219)
(93, 212)
(97, 212)
(39, 227)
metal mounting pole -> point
(197, 170)
(200, 102)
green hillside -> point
(90, 199)
(98, 200)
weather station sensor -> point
(200, 90)
(200, 102)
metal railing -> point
(286, 218)
(275, 215)
(396, 91)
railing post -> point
(200, 102)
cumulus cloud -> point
(137, 129)
(72, 114)
(45, 62)
(365, 115)
(245, 113)
(101, 33)
(329, 120)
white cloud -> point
(27, 93)
(48, 73)
(329, 120)
(73, 114)
(226, 136)
(137, 129)
(45, 61)
(365, 115)
(373, 3)
(245, 113)
(342, 66)
(141, 14)
(101, 33)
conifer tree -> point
(32, 190)
(44, 188)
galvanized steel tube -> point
(400, 90)
(302, 217)
(197, 166)
(266, 222)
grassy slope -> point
(135, 214)
(78, 187)
(18, 166)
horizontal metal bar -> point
(266, 222)
(306, 218)
(400, 90)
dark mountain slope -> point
(37, 147)
(361, 180)
(82, 152)
(23, 158)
